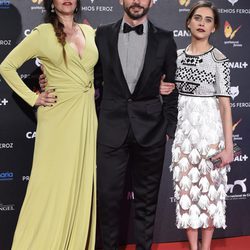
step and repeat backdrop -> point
(18, 121)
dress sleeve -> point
(222, 79)
(27, 49)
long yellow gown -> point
(59, 210)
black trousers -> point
(112, 164)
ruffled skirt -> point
(199, 188)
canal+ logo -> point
(3, 101)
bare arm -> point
(226, 116)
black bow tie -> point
(138, 29)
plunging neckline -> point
(80, 56)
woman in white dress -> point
(204, 128)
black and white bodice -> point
(207, 74)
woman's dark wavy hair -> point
(206, 4)
(51, 17)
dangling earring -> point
(52, 8)
(76, 10)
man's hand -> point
(166, 88)
(42, 82)
(46, 98)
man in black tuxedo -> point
(133, 120)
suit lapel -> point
(149, 58)
(115, 59)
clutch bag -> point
(236, 150)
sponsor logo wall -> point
(17, 122)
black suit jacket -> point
(149, 115)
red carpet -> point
(237, 243)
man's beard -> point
(137, 15)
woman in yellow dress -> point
(59, 210)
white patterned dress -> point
(200, 189)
